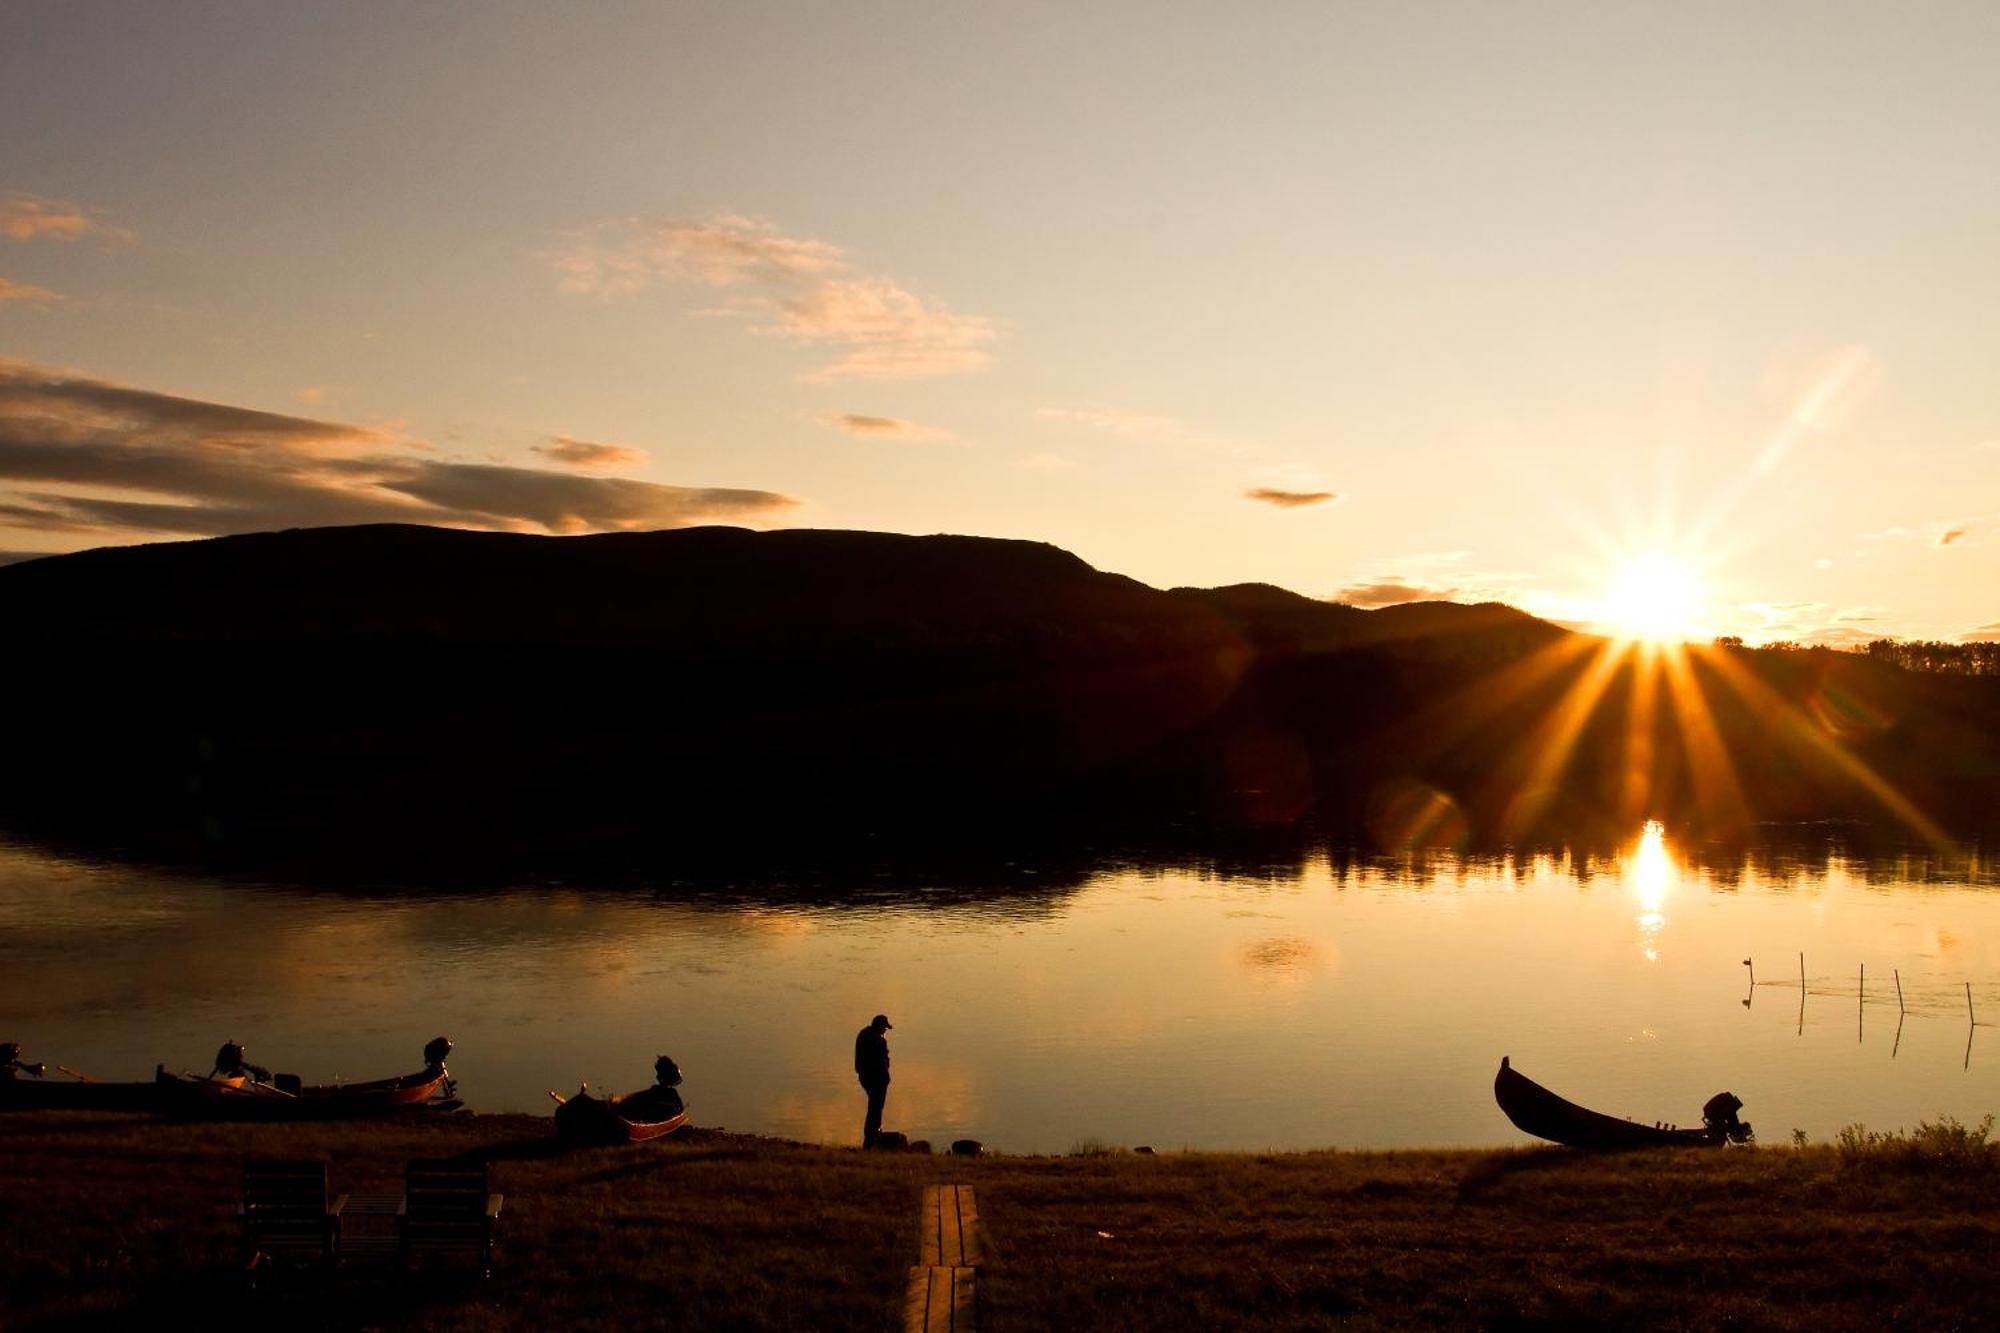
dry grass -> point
(105, 1218)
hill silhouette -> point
(402, 685)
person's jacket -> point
(871, 1055)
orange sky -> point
(1375, 302)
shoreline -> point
(108, 1217)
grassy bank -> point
(103, 1218)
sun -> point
(1654, 599)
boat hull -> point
(37, 1094)
(1537, 1111)
(235, 1099)
(637, 1118)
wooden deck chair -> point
(285, 1214)
(447, 1211)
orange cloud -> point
(587, 453)
(1289, 499)
(800, 289)
(1391, 592)
(27, 293)
(25, 217)
(887, 428)
(75, 452)
(1115, 420)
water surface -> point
(1338, 1001)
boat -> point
(635, 1117)
(1537, 1111)
(240, 1096)
(80, 1093)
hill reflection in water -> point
(1275, 993)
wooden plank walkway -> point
(940, 1298)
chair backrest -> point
(444, 1204)
(284, 1202)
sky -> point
(1372, 302)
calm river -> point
(1360, 1004)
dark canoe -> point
(1537, 1111)
(51, 1094)
(634, 1118)
(239, 1099)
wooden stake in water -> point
(1899, 989)
(1861, 1002)
(1968, 1005)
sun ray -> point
(1549, 751)
(1766, 701)
(1712, 773)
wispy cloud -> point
(1118, 421)
(1288, 499)
(1984, 634)
(803, 290)
(27, 293)
(102, 460)
(1046, 462)
(1392, 592)
(588, 453)
(882, 428)
(1950, 535)
(27, 217)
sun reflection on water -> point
(1652, 874)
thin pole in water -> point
(1861, 1002)
(1899, 989)
(1968, 1005)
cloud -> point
(586, 453)
(27, 293)
(1391, 591)
(1984, 634)
(314, 393)
(799, 289)
(26, 217)
(1288, 499)
(85, 456)
(882, 428)
(1950, 535)
(16, 557)
(1116, 421)
(627, 255)
(1045, 462)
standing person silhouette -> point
(871, 1066)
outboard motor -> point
(11, 1062)
(1719, 1114)
(666, 1073)
(435, 1052)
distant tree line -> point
(1963, 659)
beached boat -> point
(633, 1118)
(76, 1094)
(239, 1097)
(1537, 1111)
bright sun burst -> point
(1655, 599)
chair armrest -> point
(493, 1202)
(339, 1204)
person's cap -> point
(881, 1021)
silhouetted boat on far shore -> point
(77, 1093)
(634, 1118)
(1537, 1111)
(237, 1097)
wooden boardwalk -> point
(949, 1248)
